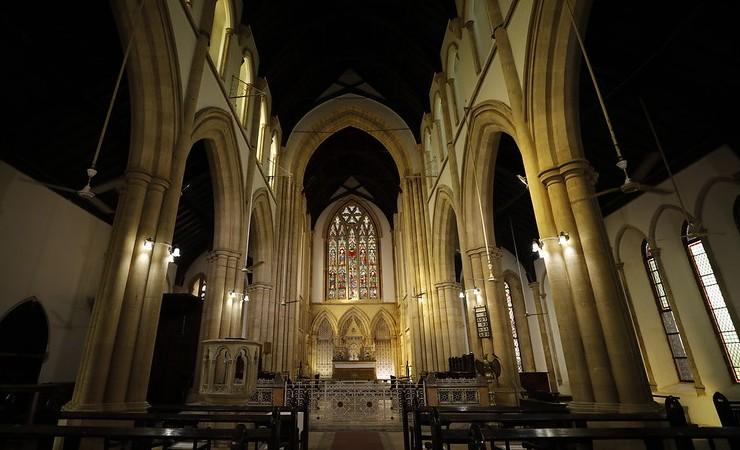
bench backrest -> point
(727, 410)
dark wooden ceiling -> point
(681, 58)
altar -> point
(354, 370)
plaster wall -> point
(659, 218)
(54, 251)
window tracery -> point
(352, 255)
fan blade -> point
(116, 183)
(646, 165)
(100, 205)
(608, 191)
(657, 190)
(49, 185)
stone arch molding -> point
(487, 121)
(445, 214)
(263, 226)
(362, 320)
(620, 237)
(364, 114)
(380, 317)
(319, 319)
(216, 127)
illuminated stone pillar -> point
(553, 369)
(629, 375)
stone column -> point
(629, 374)
(588, 321)
(454, 319)
(444, 337)
(553, 371)
(479, 298)
(95, 366)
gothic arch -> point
(262, 234)
(443, 226)
(620, 237)
(656, 218)
(704, 193)
(217, 128)
(154, 85)
(339, 113)
(359, 315)
(488, 121)
(364, 203)
(383, 316)
(320, 318)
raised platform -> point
(354, 370)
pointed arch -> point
(361, 318)
(262, 235)
(384, 316)
(620, 237)
(657, 216)
(324, 315)
(216, 127)
(444, 225)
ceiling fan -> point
(87, 192)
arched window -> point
(453, 89)
(262, 129)
(219, 39)
(675, 341)
(713, 299)
(440, 128)
(198, 287)
(352, 255)
(514, 333)
(272, 163)
(430, 161)
(245, 88)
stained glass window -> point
(514, 333)
(714, 300)
(198, 287)
(675, 342)
(352, 255)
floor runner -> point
(357, 440)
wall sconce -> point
(563, 238)
(149, 244)
(175, 252)
(245, 298)
(536, 245)
(462, 294)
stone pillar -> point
(553, 371)
(479, 298)
(96, 361)
(588, 321)
(133, 299)
(444, 337)
(453, 316)
(629, 374)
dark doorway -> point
(24, 335)
(173, 364)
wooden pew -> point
(238, 437)
(556, 437)
(273, 418)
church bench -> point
(143, 437)
(727, 410)
(556, 437)
(284, 420)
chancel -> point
(344, 216)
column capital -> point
(494, 252)
(159, 183)
(137, 176)
(447, 285)
(578, 167)
(550, 176)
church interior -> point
(366, 209)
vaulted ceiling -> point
(681, 59)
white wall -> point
(388, 286)
(709, 195)
(53, 250)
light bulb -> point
(536, 246)
(245, 298)
(149, 244)
(462, 294)
(176, 252)
(563, 238)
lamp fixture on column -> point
(175, 252)
(462, 294)
(563, 237)
(232, 294)
(148, 243)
